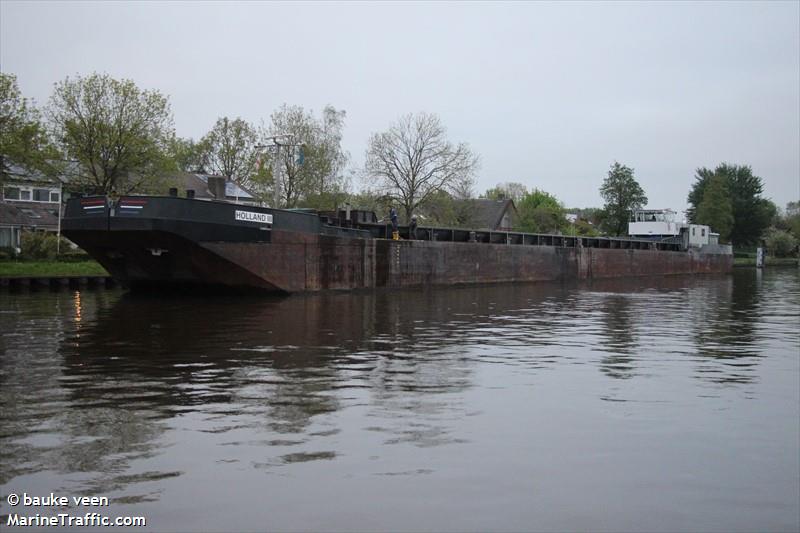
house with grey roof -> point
(29, 200)
(211, 187)
(493, 215)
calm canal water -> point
(662, 404)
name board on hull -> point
(252, 216)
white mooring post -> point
(58, 233)
(759, 257)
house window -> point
(28, 194)
(9, 237)
(41, 195)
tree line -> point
(727, 198)
(108, 136)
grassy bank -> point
(770, 261)
(50, 268)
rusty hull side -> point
(417, 263)
(296, 262)
(127, 256)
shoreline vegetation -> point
(54, 268)
(768, 261)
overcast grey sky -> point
(548, 94)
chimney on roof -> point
(216, 186)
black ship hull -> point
(178, 242)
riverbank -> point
(768, 262)
(33, 269)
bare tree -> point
(413, 160)
(230, 149)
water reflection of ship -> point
(143, 360)
(133, 363)
(712, 321)
(209, 349)
(174, 353)
(726, 337)
(293, 354)
(621, 339)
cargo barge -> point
(145, 241)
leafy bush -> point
(7, 252)
(72, 256)
(585, 229)
(41, 245)
(541, 212)
(781, 243)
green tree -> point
(117, 133)
(716, 210)
(622, 194)
(780, 243)
(23, 139)
(794, 226)
(791, 219)
(441, 209)
(230, 149)
(752, 214)
(592, 215)
(449, 210)
(509, 190)
(413, 160)
(370, 200)
(541, 212)
(584, 228)
(318, 177)
(188, 155)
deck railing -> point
(430, 233)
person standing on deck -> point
(393, 218)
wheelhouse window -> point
(11, 193)
(55, 197)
